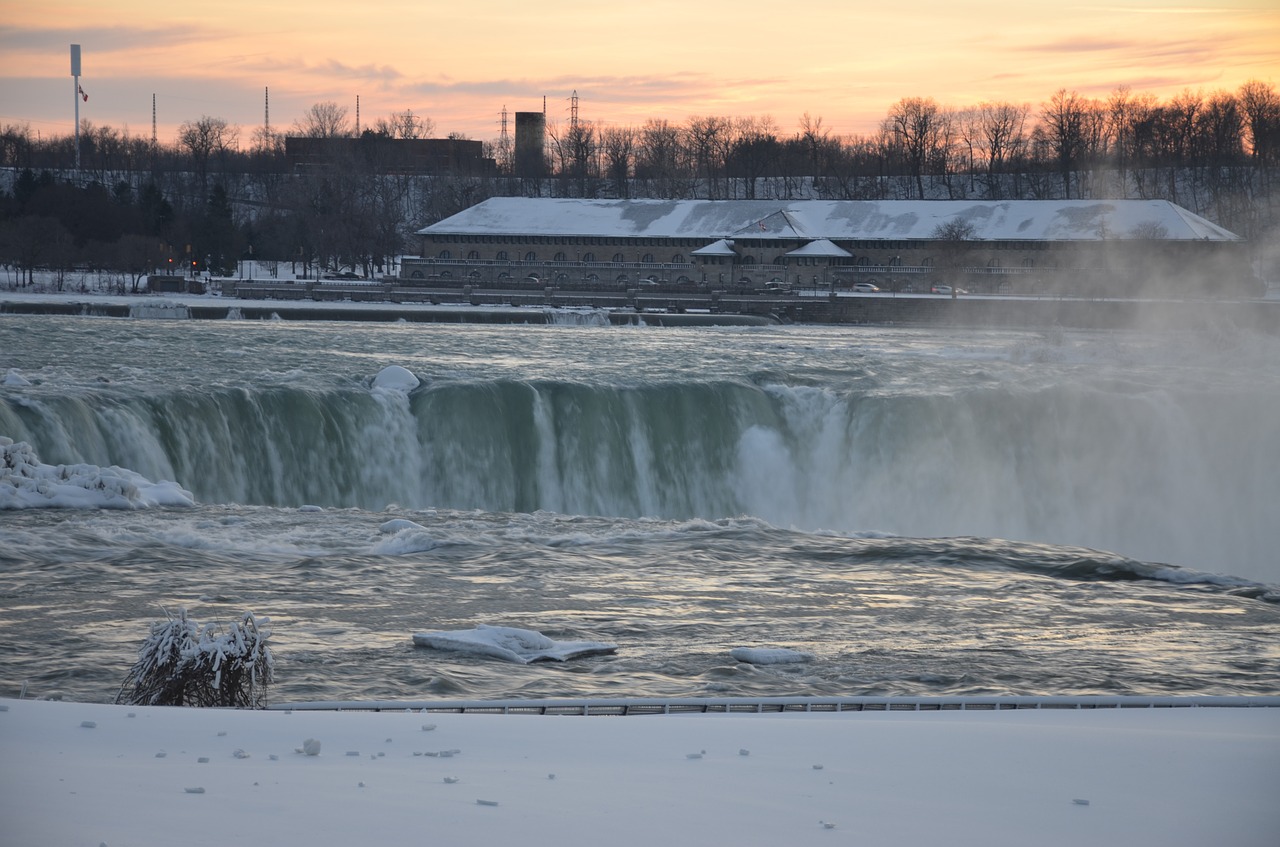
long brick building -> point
(1083, 247)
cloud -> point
(105, 39)
(329, 69)
(680, 87)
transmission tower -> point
(573, 110)
(504, 144)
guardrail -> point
(774, 705)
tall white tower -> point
(75, 95)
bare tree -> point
(1261, 105)
(1003, 129)
(1063, 131)
(324, 120)
(618, 146)
(919, 131)
(658, 158)
(405, 125)
(753, 153)
(268, 142)
(704, 137)
(817, 143)
(204, 139)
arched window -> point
(593, 277)
(559, 257)
(748, 260)
(1028, 263)
(562, 277)
(444, 254)
(445, 274)
(779, 260)
(621, 278)
(502, 256)
(647, 258)
(531, 256)
(588, 257)
(928, 262)
(677, 259)
(863, 261)
(994, 263)
(416, 275)
(473, 256)
(473, 275)
(617, 257)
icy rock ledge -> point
(28, 483)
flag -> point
(82, 94)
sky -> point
(844, 61)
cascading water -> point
(1144, 473)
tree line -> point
(205, 201)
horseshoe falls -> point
(639, 464)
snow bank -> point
(28, 483)
(521, 646)
(93, 774)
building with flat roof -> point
(1084, 247)
(390, 155)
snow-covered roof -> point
(821, 248)
(862, 220)
(720, 247)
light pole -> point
(75, 96)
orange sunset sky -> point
(459, 64)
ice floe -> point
(510, 644)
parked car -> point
(777, 288)
(865, 287)
(947, 289)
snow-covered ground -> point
(77, 774)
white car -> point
(866, 287)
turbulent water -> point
(923, 512)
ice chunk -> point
(396, 378)
(521, 646)
(769, 655)
(14, 379)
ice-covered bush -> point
(185, 664)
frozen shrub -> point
(184, 664)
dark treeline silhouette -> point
(204, 202)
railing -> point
(776, 705)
